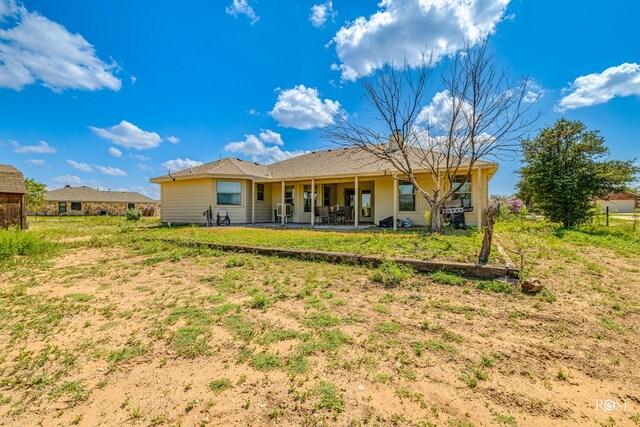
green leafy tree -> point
(565, 169)
(34, 198)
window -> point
(62, 207)
(131, 206)
(260, 192)
(76, 206)
(464, 193)
(307, 197)
(327, 196)
(229, 193)
(407, 196)
(365, 203)
(289, 195)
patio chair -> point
(223, 217)
(341, 214)
(349, 215)
(323, 213)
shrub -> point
(133, 215)
(17, 242)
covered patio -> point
(337, 203)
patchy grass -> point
(109, 328)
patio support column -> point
(283, 208)
(313, 202)
(395, 204)
(253, 202)
(357, 206)
(479, 198)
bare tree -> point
(483, 115)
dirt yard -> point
(113, 330)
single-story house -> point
(620, 202)
(89, 201)
(13, 210)
(253, 193)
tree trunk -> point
(483, 258)
(436, 218)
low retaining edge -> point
(465, 269)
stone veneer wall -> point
(95, 208)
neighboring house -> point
(622, 202)
(88, 201)
(251, 192)
(13, 210)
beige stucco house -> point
(252, 193)
(69, 201)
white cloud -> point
(138, 157)
(598, 88)
(534, 92)
(253, 112)
(115, 152)
(439, 112)
(41, 148)
(242, 7)
(36, 162)
(320, 13)
(144, 167)
(302, 108)
(257, 147)
(128, 135)
(173, 139)
(36, 49)
(85, 167)
(72, 180)
(111, 171)
(271, 137)
(408, 27)
(180, 164)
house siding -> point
(264, 211)
(183, 202)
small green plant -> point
(220, 385)
(391, 274)
(495, 286)
(329, 397)
(265, 361)
(562, 375)
(260, 301)
(446, 278)
(133, 215)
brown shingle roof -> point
(324, 163)
(88, 194)
(226, 166)
(11, 180)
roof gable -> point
(11, 180)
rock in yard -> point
(532, 286)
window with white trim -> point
(464, 192)
(229, 193)
(406, 196)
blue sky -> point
(111, 93)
